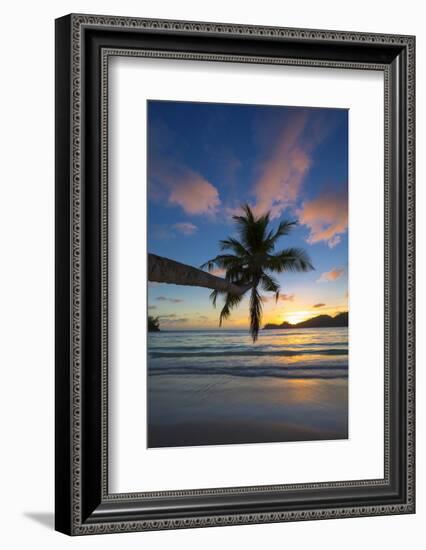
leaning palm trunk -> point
(164, 270)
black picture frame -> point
(83, 504)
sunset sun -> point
(297, 316)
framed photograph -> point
(234, 274)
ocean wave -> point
(242, 347)
(318, 372)
(247, 353)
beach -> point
(216, 387)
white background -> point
(26, 219)
(360, 456)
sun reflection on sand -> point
(302, 390)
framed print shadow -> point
(234, 274)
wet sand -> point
(187, 410)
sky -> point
(205, 160)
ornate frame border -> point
(70, 518)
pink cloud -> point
(194, 194)
(332, 275)
(283, 172)
(326, 217)
(184, 187)
(186, 228)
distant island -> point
(321, 321)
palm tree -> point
(249, 261)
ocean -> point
(215, 387)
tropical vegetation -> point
(153, 324)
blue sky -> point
(205, 160)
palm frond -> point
(223, 261)
(251, 230)
(248, 215)
(235, 246)
(269, 284)
(290, 260)
(213, 297)
(255, 313)
(282, 230)
(209, 265)
(263, 222)
(238, 274)
(231, 301)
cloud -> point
(171, 319)
(170, 300)
(318, 305)
(169, 179)
(326, 217)
(194, 194)
(283, 171)
(164, 231)
(182, 186)
(283, 298)
(287, 297)
(203, 318)
(332, 275)
(152, 307)
(186, 228)
(335, 240)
